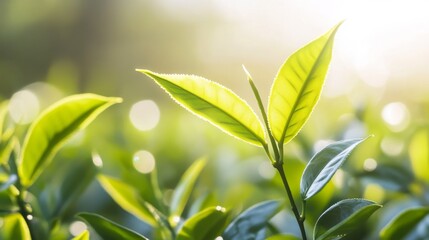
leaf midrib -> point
(60, 137)
(211, 104)
(317, 62)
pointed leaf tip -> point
(53, 127)
(324, 164)
(297, 87)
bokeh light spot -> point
(392, 146)
(370, 164)
(396, 115)
(24, 107)
(77, 227)
(144, 115)
(144, 161)
(96, 160)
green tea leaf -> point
(297, 87)
(214, 103)
(53, 127)
(404, 223)
(14, 227)
(184, 188)
(343, 218)
(324, 164)
(207, 224)
(8, 203)
(250, 222)
(108, 229)
(82, 236)
(127, 197)
(66, 185)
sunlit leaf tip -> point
(213, 103)
(297, 87)
(53, 127)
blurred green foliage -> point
(94, 46)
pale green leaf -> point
(127, 198)
(107, 229)
(14, 227)
(404, 223)
(324, 164)
(343, 218)
(207, 224)
(53, 127)
(184, 188)
(214, 103)
(297, 87)
(82, 236)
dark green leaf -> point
(53, 127)
(251, 221)
(184, 188)
(67, 183)
(108, 229)
(214, 103)
(8, 203)
(297, 87)
(404, 223)
(323, 166)
(343, 218)
(127, 197)
(207, 224)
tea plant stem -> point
(26, 214)
(298, 218)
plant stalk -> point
(23, 209)
(295, 211)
